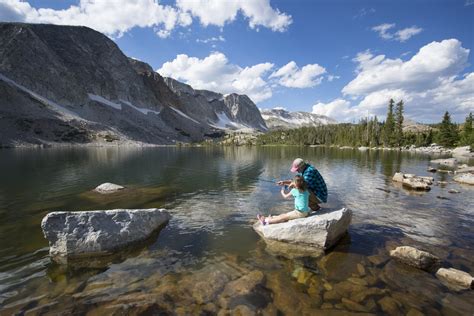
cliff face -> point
(73, 84)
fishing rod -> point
(209, 172)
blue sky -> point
(344, 59)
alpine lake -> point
(208, 260)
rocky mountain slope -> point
(282, 119)
(69, 84)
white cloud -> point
(433, 61)
(215, 73)
(382, 29)
(429, 83)
(333, 77)
(116, 17)
(405, 34)
(112, 17)
(401, 35)
(292, 76)
(218, 12)
(338, 109)
(219, 38)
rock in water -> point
(321, 230)
(455, 279)
(91, 233)
(466, 178)
(450, 162)
(463, 152)
(415, 258)
(413, 182)
(108, 187)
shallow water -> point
(208, 259)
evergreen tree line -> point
(372, 133)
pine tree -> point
(448, 133)
(389, 125)
(467, 137)
(399, 123)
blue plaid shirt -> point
(315, 182)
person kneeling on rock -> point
(299, 191)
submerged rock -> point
(413, 182)
(415, 258)
(322, 230)
(455, 279)
(466, 178)
(89, 233)
(450, 162)
(108, 187)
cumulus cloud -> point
(216, 73)
(401, 35)
(218, 12)
(338, 109)
(116, 17)
(430, 82)
(292, 76)
(333, 77)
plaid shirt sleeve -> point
(316, 183)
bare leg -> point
(278, 219)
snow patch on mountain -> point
(280, 118)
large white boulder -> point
(321, 230)
(91, 233)
(466, 178)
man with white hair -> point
(315, 182)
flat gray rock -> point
(322, 230)
(95, 233)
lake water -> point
(208, 259)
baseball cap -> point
(297, 163)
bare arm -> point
(284, 182)
(285, 195)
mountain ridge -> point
(71, 84)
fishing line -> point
(209, 172)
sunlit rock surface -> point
(413, 182)
(320, 230)
(91, 233)
(466, 178)
(416, 258)
(108, 187)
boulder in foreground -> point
(322, 230)
(415, 258)
(455, 279)
(92, 233)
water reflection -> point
(214, 195)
